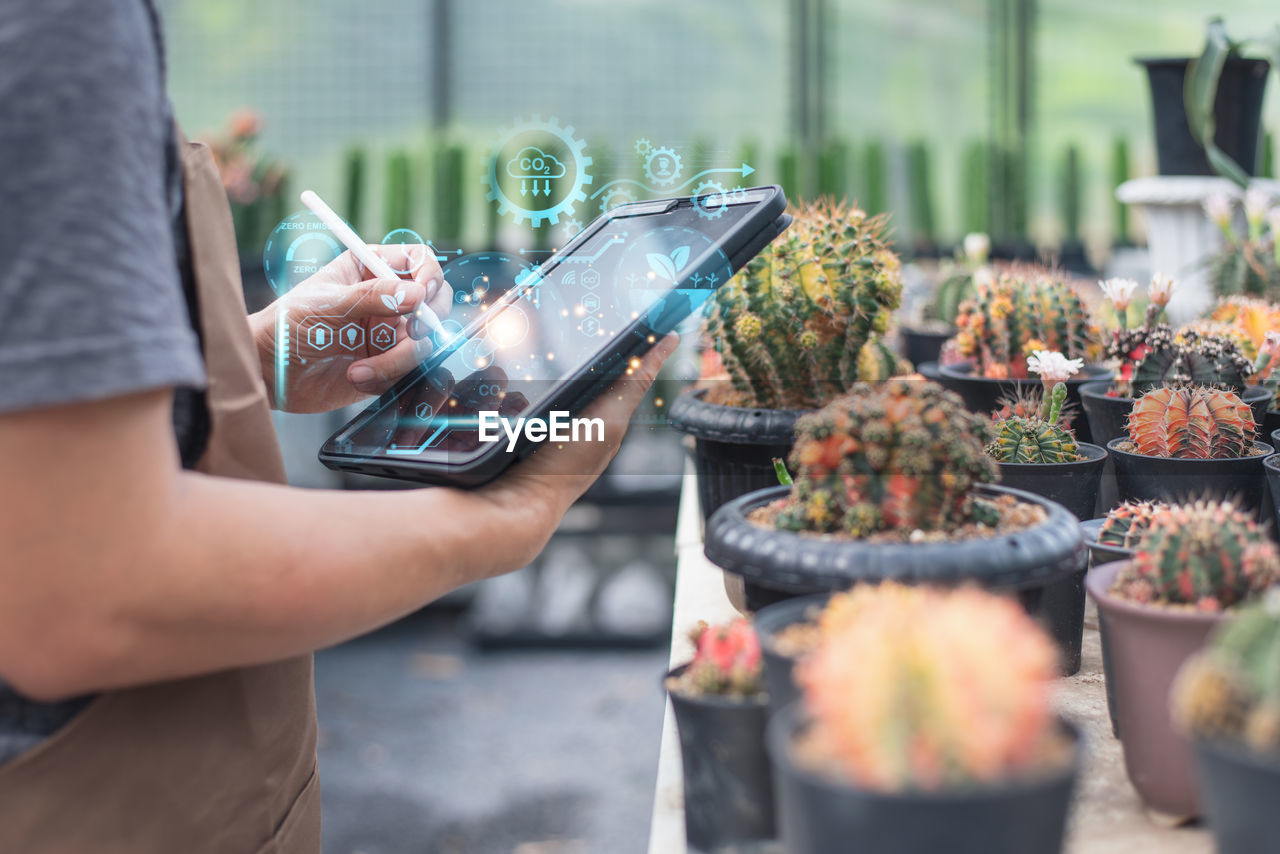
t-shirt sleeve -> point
(91, 301)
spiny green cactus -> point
(919, 688)
(1024, 309)
(1036, 440)
(1209, 555)
(950, 294)
(1231, 690)
(793, 328)
(1125, 525)
(1190, 357)
(895, 455)
(1192, 423)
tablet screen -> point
(515, 334)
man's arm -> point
(119, 568)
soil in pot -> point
(819, 814)
(1240, 790)
(1147, 644)
(923, 343)
(1237, 114)
(1143, 478)
(728, 786)
(780, 627)
(983, 395)
(734, 447)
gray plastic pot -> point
(778, 668)
(1240, 790)
(1146, 646)
(1143, 478)
(821, 815)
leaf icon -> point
(662, 265)
(391, 302)
(399, 296)
(680, 257)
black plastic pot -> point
(821, 815)
(1237, 113)
(982, 394)
(930, 371)
(1271, 468)
(1271, 422)
(728, 788)
(734, 447)
(1239, 791)
(1028, 563)
(1142, 478)
(1100, 553)
(1108, 416)
(920, 345)
(771, 620)
(1073, 485)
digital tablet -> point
(525, 349)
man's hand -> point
(340, 364)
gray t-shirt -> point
(91, 294)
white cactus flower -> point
(1119, 292)
(1218, 208)
(1160, 291)
(1256, 203)
(1052, 366)
(977, 246)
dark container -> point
(1073, 485)
(728, 788)
(1237, 112)
(921, 344)
(820, 815)
(771, 620)
(1240, 791)
(930, 371)
(1271, 423)
(1100, 553)
(1145, 478)
(982, 394)
(1271, 467)
(1146, 646)
(1108, 416)
(734, 447)
(782, 564)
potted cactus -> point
(1116, 535)
(926, 725)
(1250, 263)
(1193, 566)
(720, 708)
(923, 336)
(1021, 310)
(1227, 700)
(892, 482)
(1190, 441)
(797, 327)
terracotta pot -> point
(1147, 644)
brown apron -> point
(217, 764)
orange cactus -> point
(1193, 422)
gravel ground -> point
(429, 746)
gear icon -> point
(710, 199)
(662, 167)
(738, 195)
(581, 178)
(643, 147)
(615, 197)
(571, 228)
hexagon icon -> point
(590, 303)
(320, 336)
(351, 336)
(590, 279)
(423, 411)
(383, 336)
(589, 325)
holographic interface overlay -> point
(628, 277)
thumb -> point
(382, 298)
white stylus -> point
(366, 256)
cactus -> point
(1166, 357)
(833, 170)
(790, 166)
(1071, 194)
(1022, 310)
(896, 455)
(726, 660)
(1209, 555)
(1192, 423)
(1022, 439)
(1252, 317)
(1125, 525)
(793, 327)
(875, 178)
(976, 188)
(448, 196)
(398, 192)
(1120, 174)
(353, 175)
(923, 221)
(1231, 690)
(924, 689)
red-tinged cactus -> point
(1192, 422)
(897, 455)
(726, 660)
(1208, 555)
(1125, 525)
(920, 688)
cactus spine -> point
(1193, 423)
(793, 328)
(1022, 439)
(1125, 525)
(929, 689)
(1209, 555)
(1189, 357)
(894, 455)
(726, 660)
